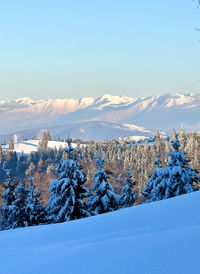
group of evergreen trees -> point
(21, 205)
(70, 199)
(120, 154)
(173, 180)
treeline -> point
(120, 155)
(69, 200)
(83, 185)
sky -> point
(61, 49)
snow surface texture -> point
(157, 238)
(80, 117)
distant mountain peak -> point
(24, 100)
(114, 99)
(165, 111)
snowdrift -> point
(157, 238)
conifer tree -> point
(11, 145)
(157, 141)
(11, 162)
(8, 197)
(104, 199)
(31, 169)
(34, 208)
(182, 138)
(21, 206)
(181, 175)
(175, 179)
(48, 136)
(43, 142)
(21, 164)
(18, 214)
(51, 169)
(128, 194)
(3, 175)
(67, 191)
(1, 154)
(157, 185)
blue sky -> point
(59, 49)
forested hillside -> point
(119, 154)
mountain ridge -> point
(107, 96)
(168, 111)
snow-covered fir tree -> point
(175, 179)
(13, 212)
(181, 175)
(104, 198)
(8, 197)
(67, 191)
(157, 141)
(21, 206)
(157, 185)
(18, 214)
(128, 194)
(34, 208)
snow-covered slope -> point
(161, 237)
(164, 112)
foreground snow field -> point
(158, 238)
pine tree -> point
(8, 197)
(11, 145)
(128, 194)
(21, 164)
(2, 171)
(31, 169)
(18, 214)
(51, 169)
(175, 179)
(67, 191)
(181, 175)
(156, 187)
(21, 206)
(11, 162)
(182, 138)
(104, 199)
(34, 208)
(43, 142)
(157, 141)
(1, 154)
(13, 212)
(48, 136)
(41, 165)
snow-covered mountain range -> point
(104, 117)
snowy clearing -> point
(158, 238)
(32, 146)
